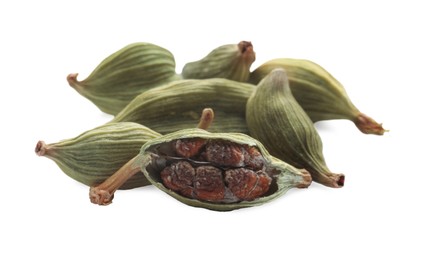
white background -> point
(379, 50)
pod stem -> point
(103, 194)
(368, 125)
(206, 119)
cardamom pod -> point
(96, 154)
(124, 74)
(318, 92)
(276, 119)
(217, 171)
(231, 61)
(177, 105)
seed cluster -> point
(216, 171)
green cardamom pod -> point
(124, 74)
(231, 61)
(276, 119)
(318, 92)
(217, 171)
(178, 105)
(95, 155)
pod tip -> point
(329, 179)
(307, 179)
(247, 51)
(245, 46)
(367, 125)
(336, 180)
(72, 80)
(41, 148)
(341, 181)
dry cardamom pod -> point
(276, 119)
(96, 154)
(93, 156)
(178, 105)
(318, 92)
(217, 171)
(124, 74)
(231, 61)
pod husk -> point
(318, 93)
(287, 176)
(125, 74)
(231, 61)
(178, 105)
(96, 154)
(276, 119)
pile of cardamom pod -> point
(217, 136)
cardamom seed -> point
(124, 74)
(231, 61)
(318, 93)
(177, 105)
(219, 171)
(276, 119)
(96, 154)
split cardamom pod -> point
(95, 155)
(318, 92)
(178, 105)
(124, 74)
(217, 171)
(276, 119)
(231, 61)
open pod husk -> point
(152, 159)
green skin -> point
(95, 155)
(178, 105)
(231, 61)
(125, 74)
(318, 93)
(276, 119)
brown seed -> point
(253, 158)
(225, 154)
(263, 185)
(188, 147)
(246, 184)
(209, 184)
(179, 177)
